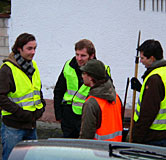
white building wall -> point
(112, 25)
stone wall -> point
(4, 38)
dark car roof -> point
(76, 149)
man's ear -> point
(91, 78)
(92, 56)
(18, 49)
(153, 59)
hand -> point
(135, 84)
(38, 113)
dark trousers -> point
(158, 143)
(71, 122)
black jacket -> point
(61, 87)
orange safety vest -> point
(111, 120)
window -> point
(5, 6)
(153, 5)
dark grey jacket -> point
(91, 117)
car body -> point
(79, 149)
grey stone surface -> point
(3, 31)
(1, 58)
(47, 130)
(2, 23)
(4, 51)
(4, 39)
(6, 22)
(7, 41)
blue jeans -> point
(12, 136)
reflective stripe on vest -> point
(109, 136)
(74, 95)
(31, 103)
(111, 120)
(70, 92)
(27, 94)
(160, 121)
(24, 97)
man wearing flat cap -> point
(101, 118)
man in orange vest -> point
(101, 118)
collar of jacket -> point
(74, 63)
(156, 64)
(104, 90)
(11, 59)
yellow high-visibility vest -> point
(75, 95)
(160, 121)
(27, 94)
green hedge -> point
(5, 6)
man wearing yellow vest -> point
(70, 92)
(150, 115)
(21, 98)
(101, 118)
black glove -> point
(135, 84)
(38, 113)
